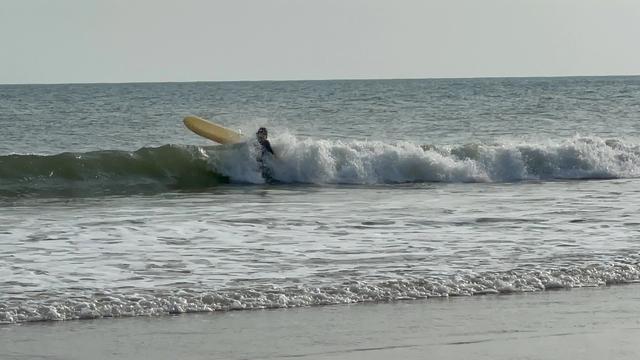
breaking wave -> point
(176, 167)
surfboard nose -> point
(212, 131)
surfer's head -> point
(262, 133)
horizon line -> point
(319, 80)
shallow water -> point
(273, 246)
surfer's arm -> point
(267, 146)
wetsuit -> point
(265, 146)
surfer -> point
(264, 143)
(265, 147)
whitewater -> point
(309, 161)
(381, 191)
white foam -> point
(322, 161)
(105, 304)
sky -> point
(86, 41)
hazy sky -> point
(62, 41)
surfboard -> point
(212, 131)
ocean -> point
(382, 192)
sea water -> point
(381, 191)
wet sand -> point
(590, 323)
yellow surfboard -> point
(211, 131)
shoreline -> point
(592, 323)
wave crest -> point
(307, 160)
(107, 172)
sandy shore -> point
(600, 323)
